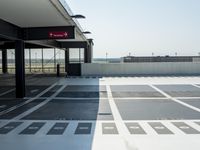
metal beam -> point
(74, 44)
(10, 31)
(4, 61)
(32, 44)
(45, 37)
(42, 44)
(48, 33)
(20, 69)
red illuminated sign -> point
(58, 35)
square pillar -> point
(66, 59)
(4, 61)
(19, 69)
(85, 55)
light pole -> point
(78, 16)
(86, 32)
(106, 57)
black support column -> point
(90, 50)
(86, 55)
(19, 69)
(66, 59)
(4, 61)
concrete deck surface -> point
(95, 113)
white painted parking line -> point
(3, 106)
(9, 91)
(40, 104)
(184, 127)
(121, 127)
(196, 85)
(109, 128)
(9, 127)
(159, 127)
(84, 128)
(174, 99)
(142, 98)
(134, 127)
(187, 97)
(34, 91)
(26, 102)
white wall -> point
(164, 68)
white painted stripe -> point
(184, 127)
(135, 98)
(187, 97)
(196, 85)
(83, 128)
(3, 106)
(175, 100)
(159, 127)
(28, 101)
(9, 127)
(109, 128)
(122, 129)
(65, 98)
(11, 90)
(134, 127)
(40, 105)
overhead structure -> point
(39, 24)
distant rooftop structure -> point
(133, 59)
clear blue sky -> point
(141, 27)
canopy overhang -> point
(34, 20)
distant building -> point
(132, 59)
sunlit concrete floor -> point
(95, 113)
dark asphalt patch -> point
(82, 94)
(160, 128)
(72, 110)
(109, 128)
(180, 90)
(33, 128)
(9, 127)
(21, 109)
(84, 128)
(185, 128)
(135, 128)
(58, 129)
(156, 109)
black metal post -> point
(66, 59)
(79, 55)
(54, 59)
(4, 61)
(19, 69)
(42, 60)
(58, 70)
(30, 60)
(86, 55)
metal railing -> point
(47, 70)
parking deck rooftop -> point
(95, 113)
